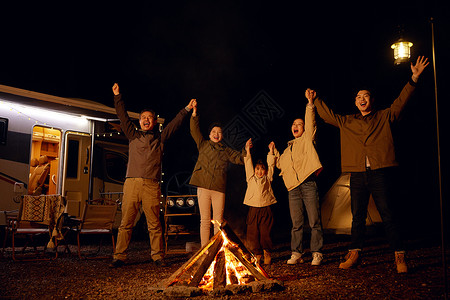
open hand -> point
(421, 64)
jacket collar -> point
(291, 142)
(218, 146)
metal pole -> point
(444, 264)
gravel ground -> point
(68, 277)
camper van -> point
(54, 145)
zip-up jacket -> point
(300, 159)
(145, 147)
(259, 190)
(367, 136)
(210, 171)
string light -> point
(22, 109)
(105, 134)
(36, 121)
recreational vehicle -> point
(54, 145)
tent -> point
(336, 208)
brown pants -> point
(137, 192)
(259, 225)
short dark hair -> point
(149, 110)
(365, 87)
(261, 163)
(215, 124)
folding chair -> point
(96, 220)
(37, 215)
(17, 228)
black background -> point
(224, 53)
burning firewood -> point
(224, 260)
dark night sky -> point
(225, 52)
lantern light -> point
(402, 51)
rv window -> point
(3, 130)
(72, 159)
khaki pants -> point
(137, 192)
(206, 199)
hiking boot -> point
(295, 258)
(351, 260)
(116, 263)
(161, 263)
(400, 262)
(317, 258)
(267, 258)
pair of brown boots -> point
(267, 258)
(352, 259)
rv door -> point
(76, 176)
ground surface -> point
(67, 277)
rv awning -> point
(73, 106)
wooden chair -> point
(96, 220)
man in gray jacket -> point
(142, 183)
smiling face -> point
(298, 127)
(363, 102)
(147, 120)
(260, 170)
(216, 134)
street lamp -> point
(402, 51)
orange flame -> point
(236, 272)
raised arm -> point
(407, 91)
(129, 129)
(176, 122)
(310, 116)
(276, 155)
(249, 170)
(271, 161)
(195, 126)
(326, 113)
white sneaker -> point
(295, 258)
(317, 258)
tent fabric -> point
(336, 208)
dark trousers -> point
(259, 225)
(378, 183)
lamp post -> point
(402, 54)
(444, 264)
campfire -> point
(223, 261)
